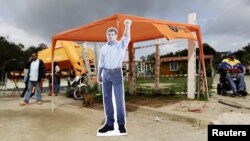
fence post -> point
(157, 66)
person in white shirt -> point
(36, 74)
(56, 78)
(110, 75)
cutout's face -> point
(111, 36)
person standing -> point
(36, 74)
(25, 79)
(110, 75)
(57, 80)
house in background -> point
(178, 65)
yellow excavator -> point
(72, 57)
(69, 55)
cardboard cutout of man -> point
(110, 75)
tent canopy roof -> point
(142, 29)
(61, 56)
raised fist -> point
(127, 22)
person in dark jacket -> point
(36, 74)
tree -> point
(21, 46)
(143, 58)
(207, 49)
(170, 54)
(151, 57)
(41, 46)
(247, 48)
(181, 53)
(10, 50)
(243, 55)
(240, 54)
(246, 59)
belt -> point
(112, 69)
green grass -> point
(175, 85)
(178, 85)
(147, 94)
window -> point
(173, 66)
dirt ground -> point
(71, 122)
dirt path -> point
(70, 122)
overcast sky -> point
(225, 24)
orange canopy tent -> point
(67, 54)
(142, 29)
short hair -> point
(35, 52)
(112, 29)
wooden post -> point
(97, 57)
(141, 68)
(131, 69)
(212, 70)
(199, 77)
(127, 74)
(157, 66)
(191, 85)
(87, 65)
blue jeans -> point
(240, 78)
(32, 84)
(56, 84)
(113, 78)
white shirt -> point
(111, 56)
(57, 69)
(34, 67)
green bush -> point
(182, 69)
(209, 71)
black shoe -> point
(234, 94)
(243, 93)
(106, 128)
(122, 129)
